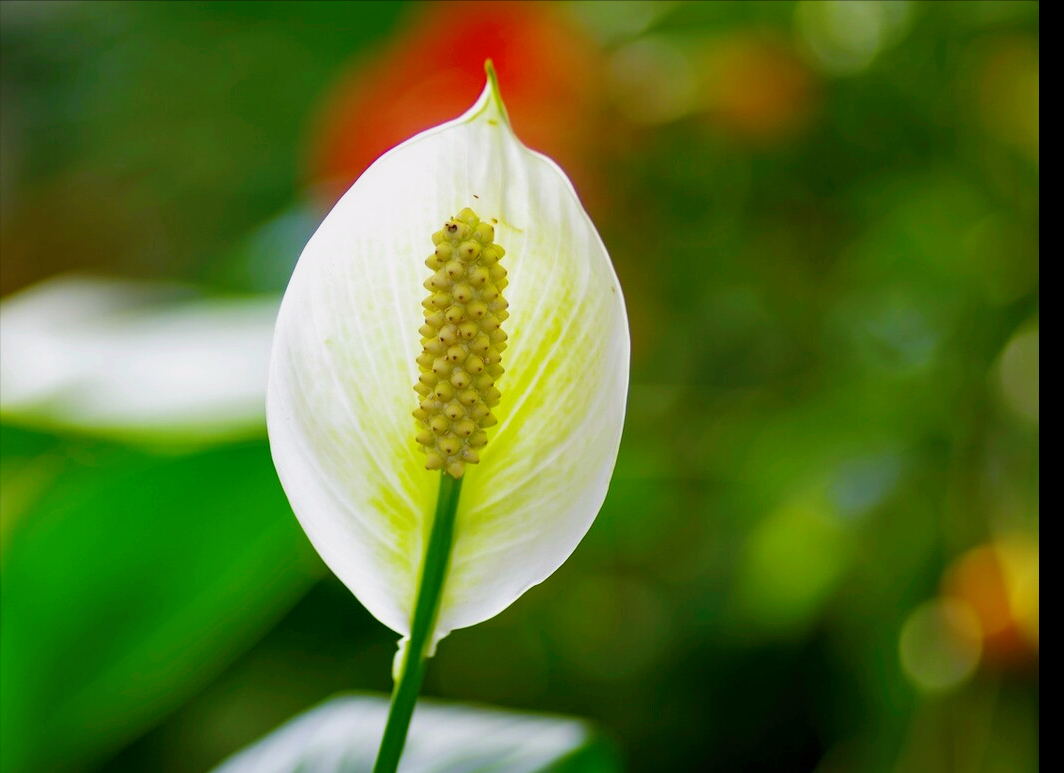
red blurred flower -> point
(433, 69)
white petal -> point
(340, 394)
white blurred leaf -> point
(342, 736)
(129, 360)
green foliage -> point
(129, 582)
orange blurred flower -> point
(999, 580)
(756, 87)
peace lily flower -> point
(461, 264)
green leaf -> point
(128, 581)
(342, 734)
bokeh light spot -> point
(754, 86)
(793, 561)
(651, 81)
(893, 330)
(862, 482)
(844, 38)
(1018, 374)
(940, 644)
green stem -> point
(426, 610)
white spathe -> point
(340, 392)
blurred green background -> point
(820, 547)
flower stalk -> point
(426, 610)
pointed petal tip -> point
(496, 94)
(489, 105)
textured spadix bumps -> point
(462, 342)
(346, 355)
